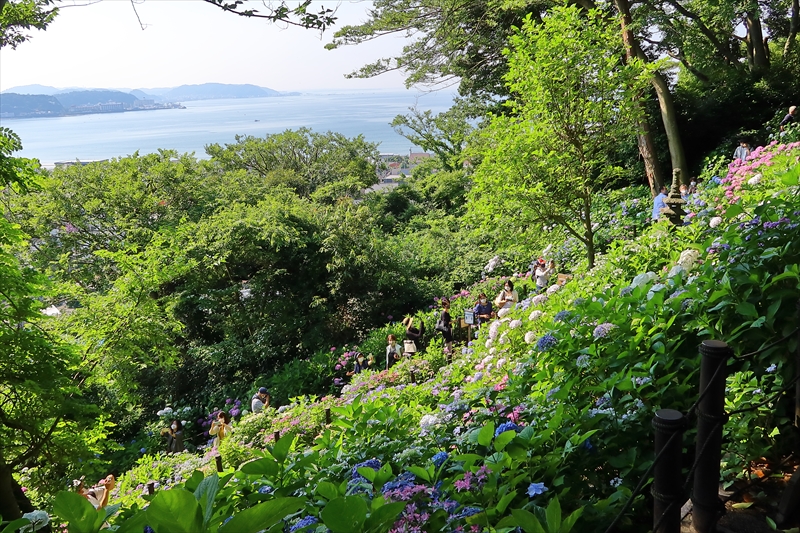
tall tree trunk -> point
(755, 42)
(644, 137)
(670, 118)
(794, 22)
(9, 508)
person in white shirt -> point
(543, 274)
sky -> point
(102, 45)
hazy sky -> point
(189, 42)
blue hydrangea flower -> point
(772, 368)
(562, 316)
(507, 426)
(403, 481)
(546, 342)
(535, 489)
(304, 524)
(626, 290)
(148, 529)
(467, 511)
(439, 459)
(266, 489)
(371, 463)
(142, 450)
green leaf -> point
(569, 522)
(344, 515)
(384, 516)
(12, 527)
(262, 516)
(281, 449)
(367, 472)
(420, 473)
(771, 523)
(791, 177)
(527, 521)
(81, 516)
(327, 490)
(742, 505)
(194, 481)
(175, 511)
(262, 467)
(486, 434)
(747, 309)
(502, 440)
(134, 524)
(733, 210)
(553, 514)
(205, 493)
(383, 475)
(505, 500)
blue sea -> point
(103, 136)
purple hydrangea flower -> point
(603, 329)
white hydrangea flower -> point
(539, 299)
(643, 279)
(714, 222)
(535, 315)
(39, 519)
(530, 337)
(494, 329)
(489, 343)
(503, 338)
(514, 324)
(755, 180)
(688, 258)
(675, 271)
(503, 312)
(552, 289)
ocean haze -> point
(107, 135)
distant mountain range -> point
(43, 100)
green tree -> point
(445, 134)
(16, 17)
(45, 426)
(576, 101)
(314, 159)
(453, 41)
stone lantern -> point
(674, 211)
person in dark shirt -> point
(483, 310)
(789, 118)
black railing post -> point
(667, 489)
(276, 436)
(706, 505)
(327, 415)
(218, 460)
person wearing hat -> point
(260, 400)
